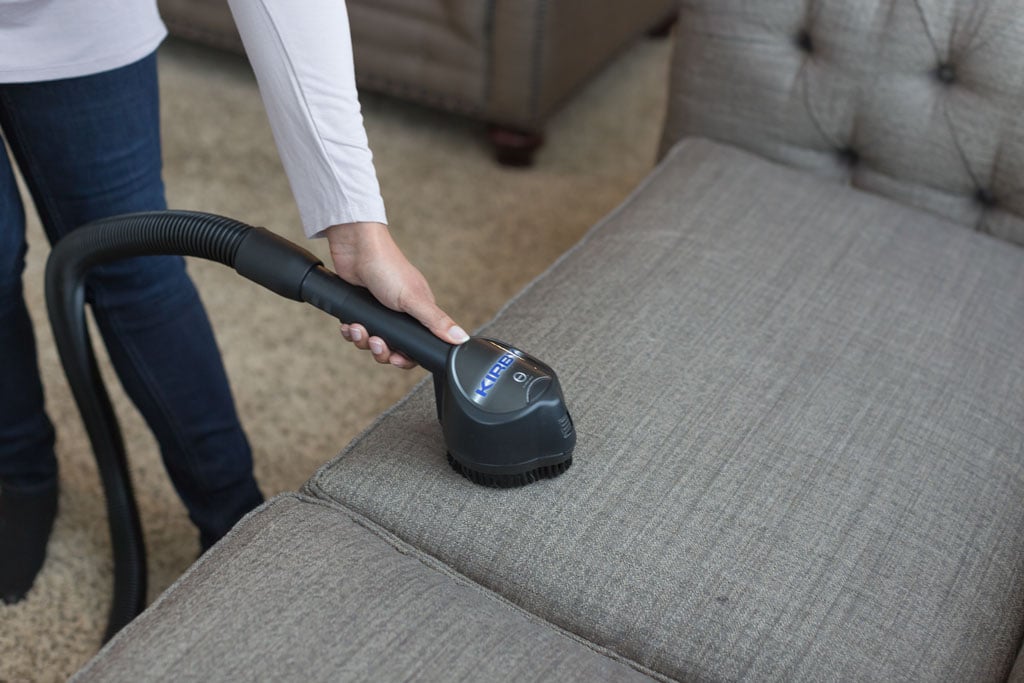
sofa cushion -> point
(305, 590)
(800, 418)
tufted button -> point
(848, 156)
(945, 72)
(985, 197)
(803, 40)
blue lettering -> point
(492, 376)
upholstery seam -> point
(400, 546)
(433, 563)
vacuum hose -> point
(501, 410)
(257, 254)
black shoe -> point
(26, 520)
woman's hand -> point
(364, 254)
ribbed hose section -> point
(186, 233)
(167, 232)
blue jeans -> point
(89, 148)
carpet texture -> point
(303, 394)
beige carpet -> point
(479, 232)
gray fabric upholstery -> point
(800, 412)
(916, 100)
(303, 590)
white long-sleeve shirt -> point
(300, 50)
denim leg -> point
(90, 148)
(27, 461)
(161, 343)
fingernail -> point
(458, 334)
(355, 334)
(376, 346)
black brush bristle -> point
(508, 481)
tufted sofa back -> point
(921, 101)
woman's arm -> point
(301, 51)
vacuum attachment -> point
(502, 412)
(504, 418)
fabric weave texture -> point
(807, 464)
(303, 590)
(917, 101)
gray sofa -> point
(510, 63)
(795, 359)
